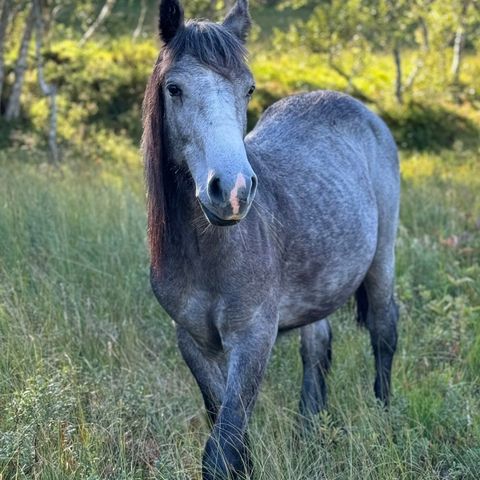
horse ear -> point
(171, 19)
(238, 20)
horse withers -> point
(253, 235)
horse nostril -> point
(214, 190)
(253, 188)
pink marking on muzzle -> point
(234, 201)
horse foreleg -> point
(208, 374)
(316, 351)
(226, 453)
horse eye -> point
(250, 91)
(174, 90)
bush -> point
(429, 127)
(101, 85)
(106, 80)
(100, 91)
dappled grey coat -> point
(254, 235)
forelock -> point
(210, 44)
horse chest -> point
(190, 306)
(191, 302)
(211, 301)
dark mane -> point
(218, 49)
(209, 43)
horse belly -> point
(320, 278)
(299, 307)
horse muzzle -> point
(219, 221)
(226, 203)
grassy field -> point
(92, 386)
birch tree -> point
(4, 14)
(13, 107)
(102, 16)
(392, 28)
(141, 20)
(459, 41)
(48, 89)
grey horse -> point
(258, 234)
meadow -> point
(92, 386)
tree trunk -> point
(13, 107)
(47, 89)
(229, 5)
(102, 16)
(425, 34)
(351, 87)
(213, 9)
(398, 77)
(459, 42)
(420, 62)
(3, 28)
(141, 19)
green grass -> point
(91, 383)
(92, 386)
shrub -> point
(418, 126)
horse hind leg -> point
(316, 352)
(378, 311)
(362, 305)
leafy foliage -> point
(337, 45)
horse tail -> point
(362, 305)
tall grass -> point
(92, 386)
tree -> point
(333, 28)
(141, 20)
(464, 10)
(392, 28)
(48, 90)
(422, 10)
(13, 107)
(4, 14)
(102, 16)
(360, 26)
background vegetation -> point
(91, 383)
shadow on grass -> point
(425, 127)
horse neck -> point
(185, 222)
(180, 203)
